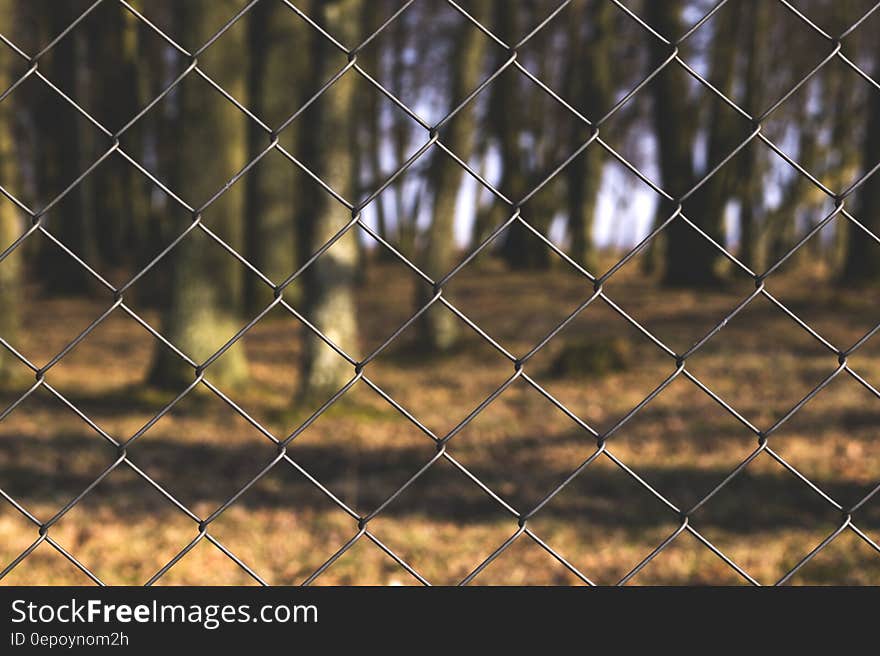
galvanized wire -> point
(519, 364)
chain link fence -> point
(519, 364)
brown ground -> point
(683, 443)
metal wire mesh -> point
(519, 364)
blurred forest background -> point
(115, 139)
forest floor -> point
(521, 446)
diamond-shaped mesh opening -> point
(204, 564)
(599, 366)
(284, 527)
(830, 440)
(66, 145)
(362, 449)
(528, 301)
(211, 134)
(521, 446)
(687, 561)
(435, 22)
(117, 225)
(809, 284)
(440, 398)
(207, 259)
(344, 102)
(604, 522)
(590, 81)
(443, 525)
(757, 26)
(766, 519)
(357, 249)
(762, 333)
(536, 136)
(705, 304)
(116, 400)
(202, 451)
(124, 530)
(46, 562)
(834, 91)
(712, 131)
(38, 435)
(78, 63)
(683, 443)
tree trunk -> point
(590, 89)
(330, 280)
(405, 215)
(688, 259)
(61, 161)
(506, 116)
(11, 221)
(706, 208)
(116, 188)
(514, 116)
(862, 260)
(439, 328)
(750, 172)
(254, 200)
(273, 68)
(205, 294)
(371, 138)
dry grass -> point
(521, 446)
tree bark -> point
(205, 292)
(688, 259)
(274, 41)
(330, 280)
(707, 207)
(862, 260)
(61, 161)
(439, 328)
(116, 189)
(752, 250)
(590, 89)
(11, 220)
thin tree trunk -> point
(708, 204)
(439, 328)
(330, 281)
(591, 89)
(373, 132)
(673, 132)
(11, 221)
(61, 161)
(205, 295)
(254, 200)
(688, 259)
(508, 109)
(405, 216)
(506, 116)
(117, 190)
(751, 246)
(862, 261)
